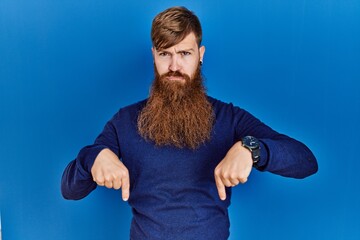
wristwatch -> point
(253, 145)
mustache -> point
(175, 74)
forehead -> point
(189, 42)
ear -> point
(202, 52)
(153, 51)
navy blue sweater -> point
(173, 193)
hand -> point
(235, 168)
(110, 172)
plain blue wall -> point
(67, 66)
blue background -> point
(67, 66)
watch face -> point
(251, 142)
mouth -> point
(175, 78)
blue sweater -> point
(172, 191)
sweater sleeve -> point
(77, 181)
(279, 154)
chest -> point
(144, 159)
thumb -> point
(220, 187)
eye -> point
(163, 54)
(185, 53)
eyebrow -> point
(177, 51)
(185, 50)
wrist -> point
(252, 144)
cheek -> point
(191, 68)
(161, 67)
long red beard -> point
(177, 113)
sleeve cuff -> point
(88, 155)
(263, 156)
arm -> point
(95, 164)
(280, 154)
(77, 182)
(287, 157)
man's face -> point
(183, 58)
(177, 112)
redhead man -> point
(176, 155)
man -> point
(177, 154)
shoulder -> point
(134, 107)
(129, 112)
(219, 105)
(229, 110)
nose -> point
(174, 64)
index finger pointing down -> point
(125, 188)
(220, 187)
